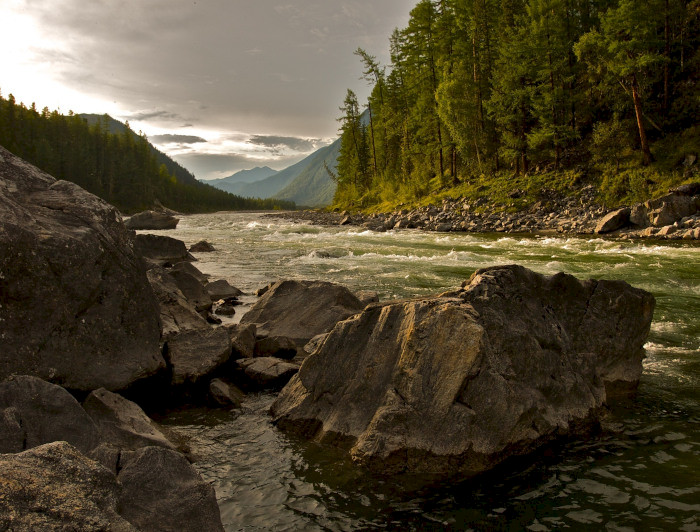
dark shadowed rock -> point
(202, 247)
(121, 422)
(457, 383)
(75, 305)
(56, 488)
(176, 312)
(301, 309)
(46, 413)
(12, 435)
(613, 221)
(190, 268)
(243, 338)
(197, 353)
(276, 346)
(224, 394)
(151, 220)
(162, 492)
(221, 289)
(192, 289)
(161, 249)
(267, 372)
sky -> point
(219, 85)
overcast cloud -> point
(260, 81)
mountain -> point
(313, 187)
(236, 182)
(307, 181)
(118, 128)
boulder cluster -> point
(674, 216)
(99, 325)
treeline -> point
(121, 168)
(478, 86)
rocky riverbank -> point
(675, 216)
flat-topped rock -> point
(151, 220)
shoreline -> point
(672, 217)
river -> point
(641, 473)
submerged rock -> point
(75, 306)
(151, 220)
(301, 309)
(202, 247)
(457, 383)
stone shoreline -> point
(675, 216)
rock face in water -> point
(75, 305)
(301, 309)
(457, 383)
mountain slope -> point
(237, 182)
(118, 128)
(270, 186)
(313, 187)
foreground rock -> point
(75, 305)
(196, 354)
(455, 384)
(151, 220)
(55, 488)
(267, 373)
(300, 310)
(163, 492)
(122, 423)
(44, 413)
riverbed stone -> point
(193, 290)
(222, 393)
(12, 435)
(202, 247)
(56, 488)
(161, 249)
(177, 313)
(163, 492)
(46, 413)
(243, 338)
(275, 346)
(75, 305)
(221, 289)
(301, 309)
(195, 354)
(123, 423)
(457, 383)
(190, 268)
(148, 220)
(267, 372)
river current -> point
(641, 473)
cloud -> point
(293, 143)
(180, 139)
(150, 115)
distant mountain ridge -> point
(307, 181)
(237, 182)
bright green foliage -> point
(121, 168)
(478, 87)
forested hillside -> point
(602, 91)
(122, 168)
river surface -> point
(641, 473)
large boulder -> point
(122, 423)
(221, 289)
(44, 413)
(455, 384)
(267, 373)
(301, 309)
(75, 305)
(682, 202)
(193, 290)
(164, 493)
(56, 488)
(151, 220)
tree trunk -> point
(371, 130)
(646, 152)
